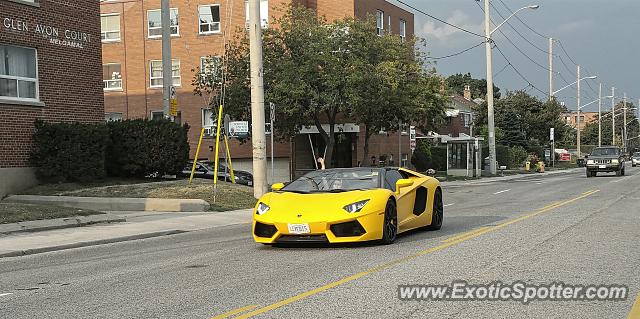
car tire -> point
(622, 171)
(619, 172)
(437, 215)
(589, 173)
(390, 223)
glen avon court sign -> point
(58, 36)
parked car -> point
(204, 169)
(635, 159)
(605, 159)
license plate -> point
(299, 228)
(602, 166)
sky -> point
(603, 36)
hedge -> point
(69, 151)
(426, 156)
(86, 152)
(142, 147)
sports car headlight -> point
(590, 162)
(262, 208)
(356, 207)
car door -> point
(404, 200)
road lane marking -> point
(465, 234)
(500, 192)
(236, 311)
(6, 294)
(390, 264)
(635, 309)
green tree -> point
(457, 82)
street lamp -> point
(566, 87)
(489, 53)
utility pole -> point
(613, 116)
(489, 53)
(258, 137)
(167, 69)
(272, 118)
(550, 69)
(600, 115)
(578, 117)
(624, 128)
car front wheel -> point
(390, 223)
(438, 212)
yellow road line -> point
(410, 257)
(465, 234)
(635, 309)
(236, 311)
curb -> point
(58, 223)
(115, 203)
(510, 177)
(25, 252)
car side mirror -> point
(586, 156)
(277, 186)
(402, 183)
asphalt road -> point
(590, 235)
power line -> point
(514, 45)
(442, 21)
(518, 32)
(525, 24)
(457, 53)
(518, 72)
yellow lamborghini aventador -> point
(348, 205)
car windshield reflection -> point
(335, 181)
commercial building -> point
(50, 70)
(131, 39)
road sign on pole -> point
(173, 102)
(552, 134)
(238, 129)
(412, 138)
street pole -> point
(400, 144)
(489, 54)
(600, 115)
(550, 69)
(272, 118)
(258, 138)
(578, 117)
(624, 128)
(167, 69)
(613, 116)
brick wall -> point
(70, 78)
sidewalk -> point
(138, 226)
(485, 180)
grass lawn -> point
(229, 197)
(14, 212)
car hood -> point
(316, 206)
(603, 157)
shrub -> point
(69, 151)
(421, 157)
(518, 156)
(140, 148)
(426, 157)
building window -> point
(112, 116)
(210, 64)
(208, 123)
(209, 17)
(18, 73)
(111, 76)
(157, 115)
(155, 23)
(379, 22)
(467, 119)
(28, 2)
(110, 27)
(155, 77)
(264, 12)
(403, 30)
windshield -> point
(335, 181)
(605, 152)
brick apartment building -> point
(571, 118)
(50, 58)
(131, 39)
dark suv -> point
(605, 159)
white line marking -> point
(449, 204)
(6, 294)
(500, 192)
